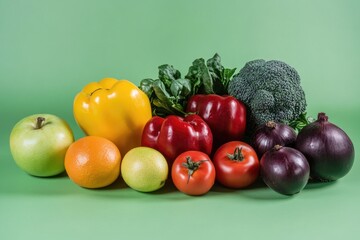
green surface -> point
(50, 49)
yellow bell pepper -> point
(115, 109)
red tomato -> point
(193, 173)
(236, 164)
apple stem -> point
(39, 122)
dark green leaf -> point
(164, 103)
(178, 109)
(161, 92)
(214, 65)
(226, 75)
(195, 85)
(221, 76)
(302, 121)
(160, 108)
(169, 94)
(199, 72)
(167, 74)
(180, 88)
(146, 85)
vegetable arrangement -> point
(205, 127)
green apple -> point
(38, 144)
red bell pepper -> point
(225, 115)
(174, 135)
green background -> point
(50, 49)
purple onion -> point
(270, 134)
(328, 149)
(285, 170)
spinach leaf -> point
(167, 74)
(226, 75)
(169, 93)
(199, 73)
(211, 77)
(161, 92)
(221, 76)
(146, 85)
(180, 88)
(214, 65)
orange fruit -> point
(93, 162)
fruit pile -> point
(173, 128)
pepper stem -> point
(237, 155)
(192, 166)
(39, 122)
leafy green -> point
(180, 88)
(199, 73)
(212, 76)
(167, 74)
(147, 87)
(169, 93)
(302, 121)
(220, 76)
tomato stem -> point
(192, 166)
(39, 122)
(237, 155)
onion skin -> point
(328, 149)
(285, 170)
(270, 134)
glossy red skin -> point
(201, 180)
(174, 135)
(225, 115)
(285, 170)
(236, 174)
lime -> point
(144, 169)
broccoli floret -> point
(271, 91)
